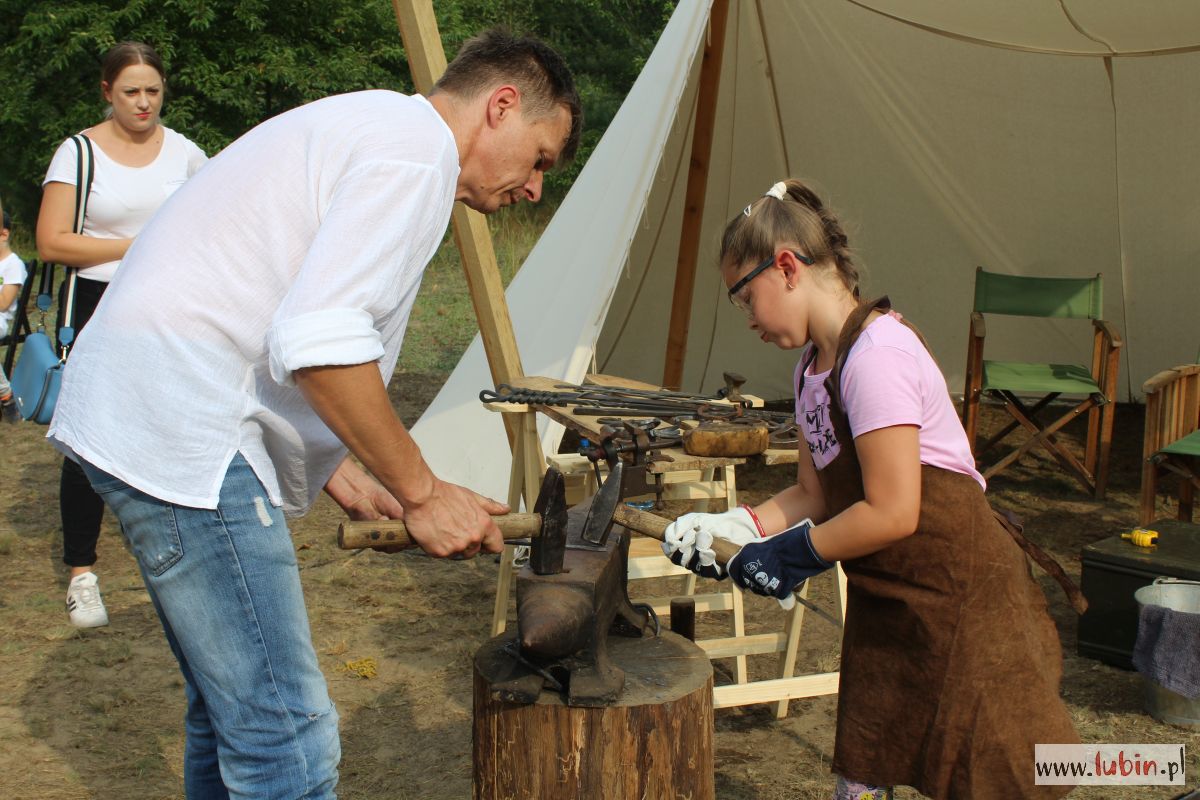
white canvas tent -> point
(1031, 137)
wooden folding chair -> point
(1013, 382)
(1171, 441)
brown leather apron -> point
(950, 662)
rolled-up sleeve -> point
(335, 336)
(352, 294)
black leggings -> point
(81, 507)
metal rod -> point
(820, 612)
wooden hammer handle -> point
(391, 534)
(655, 527)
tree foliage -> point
(234, 63)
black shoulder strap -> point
(85, 171)
(45, 296)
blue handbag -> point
(38, 372)
(36, 378)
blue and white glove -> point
(688, 540)
(777, 565)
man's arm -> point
(444, 518)
(361, 496)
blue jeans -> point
(225, 584)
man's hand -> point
(455, 521)
(362, 497)
(776, 565)
(688, 540)
(445, 519)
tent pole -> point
(693, 208)
(427, 61)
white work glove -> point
(688, 540)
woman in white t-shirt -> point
(138, 164)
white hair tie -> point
(778, 191)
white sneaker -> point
(84, 605)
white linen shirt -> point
(123, 199)
(301, 244)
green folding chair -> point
(1171, 442)
(1014, 383)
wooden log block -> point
(655, 741)
(719, 439)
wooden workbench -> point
(588, 426)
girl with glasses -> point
(950, 662)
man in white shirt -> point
(246, 343)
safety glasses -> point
(739, 293)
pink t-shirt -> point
(889, 379)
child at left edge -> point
(12, 276)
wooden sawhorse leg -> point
(787, 658)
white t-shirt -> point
(12, 270)
(123, 198)
(301, 244)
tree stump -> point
(656, 741)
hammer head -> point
(600, 516)
(548, 547)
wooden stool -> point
(650, 563)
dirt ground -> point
(97, 714)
